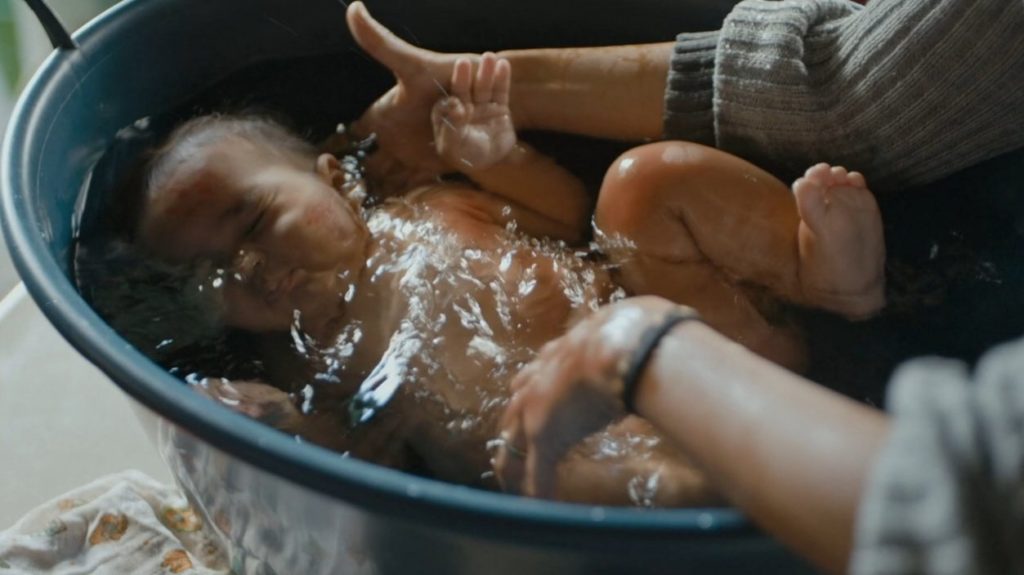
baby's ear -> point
(329, 168)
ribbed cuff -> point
(779, 83)
(689, 102)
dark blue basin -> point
(286, 507)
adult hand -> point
(401, 117)
(570, 390)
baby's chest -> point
(506, 285)
(458, 262)
(480, 299)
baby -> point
(433, 299)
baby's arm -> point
(324, 425)
(474, 135)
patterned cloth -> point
(123, 523)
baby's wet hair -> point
(189, 141)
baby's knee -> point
(660, 163)
(636, 185)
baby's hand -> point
(473, 127)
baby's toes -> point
(851, 190)
(838, 176)
(857, 180)
(811, 201)
(820, 174)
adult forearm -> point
(791, 454)
(905, 91)
(611, 92)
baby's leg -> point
(693, 221)
(841, 244)
(702, 219)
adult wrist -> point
(632, 367)
(532, 74)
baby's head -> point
(265, 212)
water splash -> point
(454, 322)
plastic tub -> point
(286, 507)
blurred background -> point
(23, 46)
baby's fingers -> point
(502, 82)
(462, 79)
(448, 117)
(483, 88)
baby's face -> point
(286, 239)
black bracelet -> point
(637, 361)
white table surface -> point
(62, 422)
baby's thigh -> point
(656, 189)
(673, 200)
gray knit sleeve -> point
(688, 111)
(947, 493)
(905, 91)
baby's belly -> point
(493, 328)
(520, 304)
(473, 306)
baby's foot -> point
(841, 248)
(473, 127)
